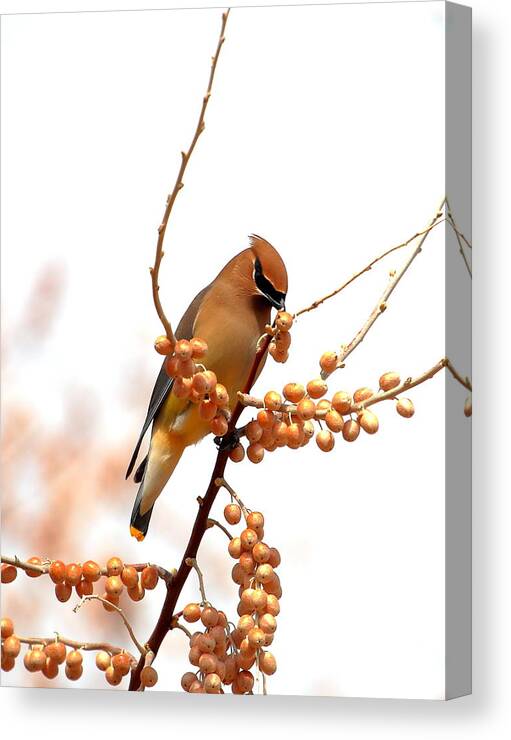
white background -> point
(483, 713)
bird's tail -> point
(157, 471)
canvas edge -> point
(458, 491)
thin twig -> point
(452, 223)
(76, 644)
(179, 184)
(216, 523)
(192, 563)
(455, 374)
(223, 482)
(94, 597)
(381, 305)
(178, 626)
(368, 267)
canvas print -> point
(236, 394)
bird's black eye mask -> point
(275, 297)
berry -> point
(325, 440)
(293, 392)
(232, 513)
(114, 566)
(389, 381)
(328, 362)
(192, 612)
(316, 388)
(199, 348)
(9, 573)
(149, 577)
(283, 321)
(362, 394)
(34, 573)
(57, 571)
(368, 421)
(255, 452)
(163, 345)
(237, 453)
(306, 409)
(63, 591)
(350, 430)
(129, 576)
(404, 407)
(57, 651)
(341, 402)
(91, 571)
(103, 660)
(272, 401)
(334, 420)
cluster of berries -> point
(82, 577)
(49, 655)
(193, 382)
(281, 338)
(288, 420)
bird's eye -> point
(275, 297)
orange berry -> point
(129, 576)
(7, 663)
(84, 588)
(91, 571)
(265, 418)
(182, 387)
(186, 369)
(187, 679)
(112, 676)
(136, 593)
(278, 354)
(467, 409)
(232, 513)
(234, 547)
(308, 430)
(206, 643)
(362, 394)
(11, 646)
(237, 453)
(50, 669)
(272, 605)
(114, 566)
(220, 395)
(404, 407)
(197, 688)
(149, 577)
(219, 425)
(247, 562)
(253, 431)
(245, 624)
(192, 612)
(73, 574)
(121, 663)
(279, 433)
(328, 361)
(212, 683)
(110, 602)
(261, 552)
(283, 321)
(334, 420)
(268, 623)
(341, 402)
(293, 392)
(207, 410)
(255, 520)
(295, 436)
(316, 388)
(211, 380)
(199, 347)
(209, 617)
(244, 681)
(114, 586)
(9, 573)
(207, 663)
(183, 349)
(272, 401)
(37, 659)
(74, 658)
(350, 430)
(172, 366)
(264, 573)
(57, 571)
(74, 673)
(63, 591)
(163, 345)
(238, 574)
(267, 663)
(34, 573)
(200, 383)
(325, 440)
(103, 660)
(368, 421)
(389, 381)
(57, 651)
(306, 409)
(324, 405)
(274, 560)
(148, 676)
(282, 341)
(255, 637)
(255, 452)
(248, 538)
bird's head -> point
(269, 274)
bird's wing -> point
(163, 383)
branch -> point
(291, 408)
(381, 305)
(75, 644)
(368, 267)
(93, 597)
(178, 185)
(223, 482)
(459, 237)
(216, 523)
(192, 562)
(44, 567)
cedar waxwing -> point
(230, 314)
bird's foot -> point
(229, 441)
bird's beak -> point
(279, 304)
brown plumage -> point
(230, 314)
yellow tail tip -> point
(137, 534)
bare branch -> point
(192, 563)
(178, 185)
(94, 597)
(223, 482)
(216, 523)
(459, 237)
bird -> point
(230, 315)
